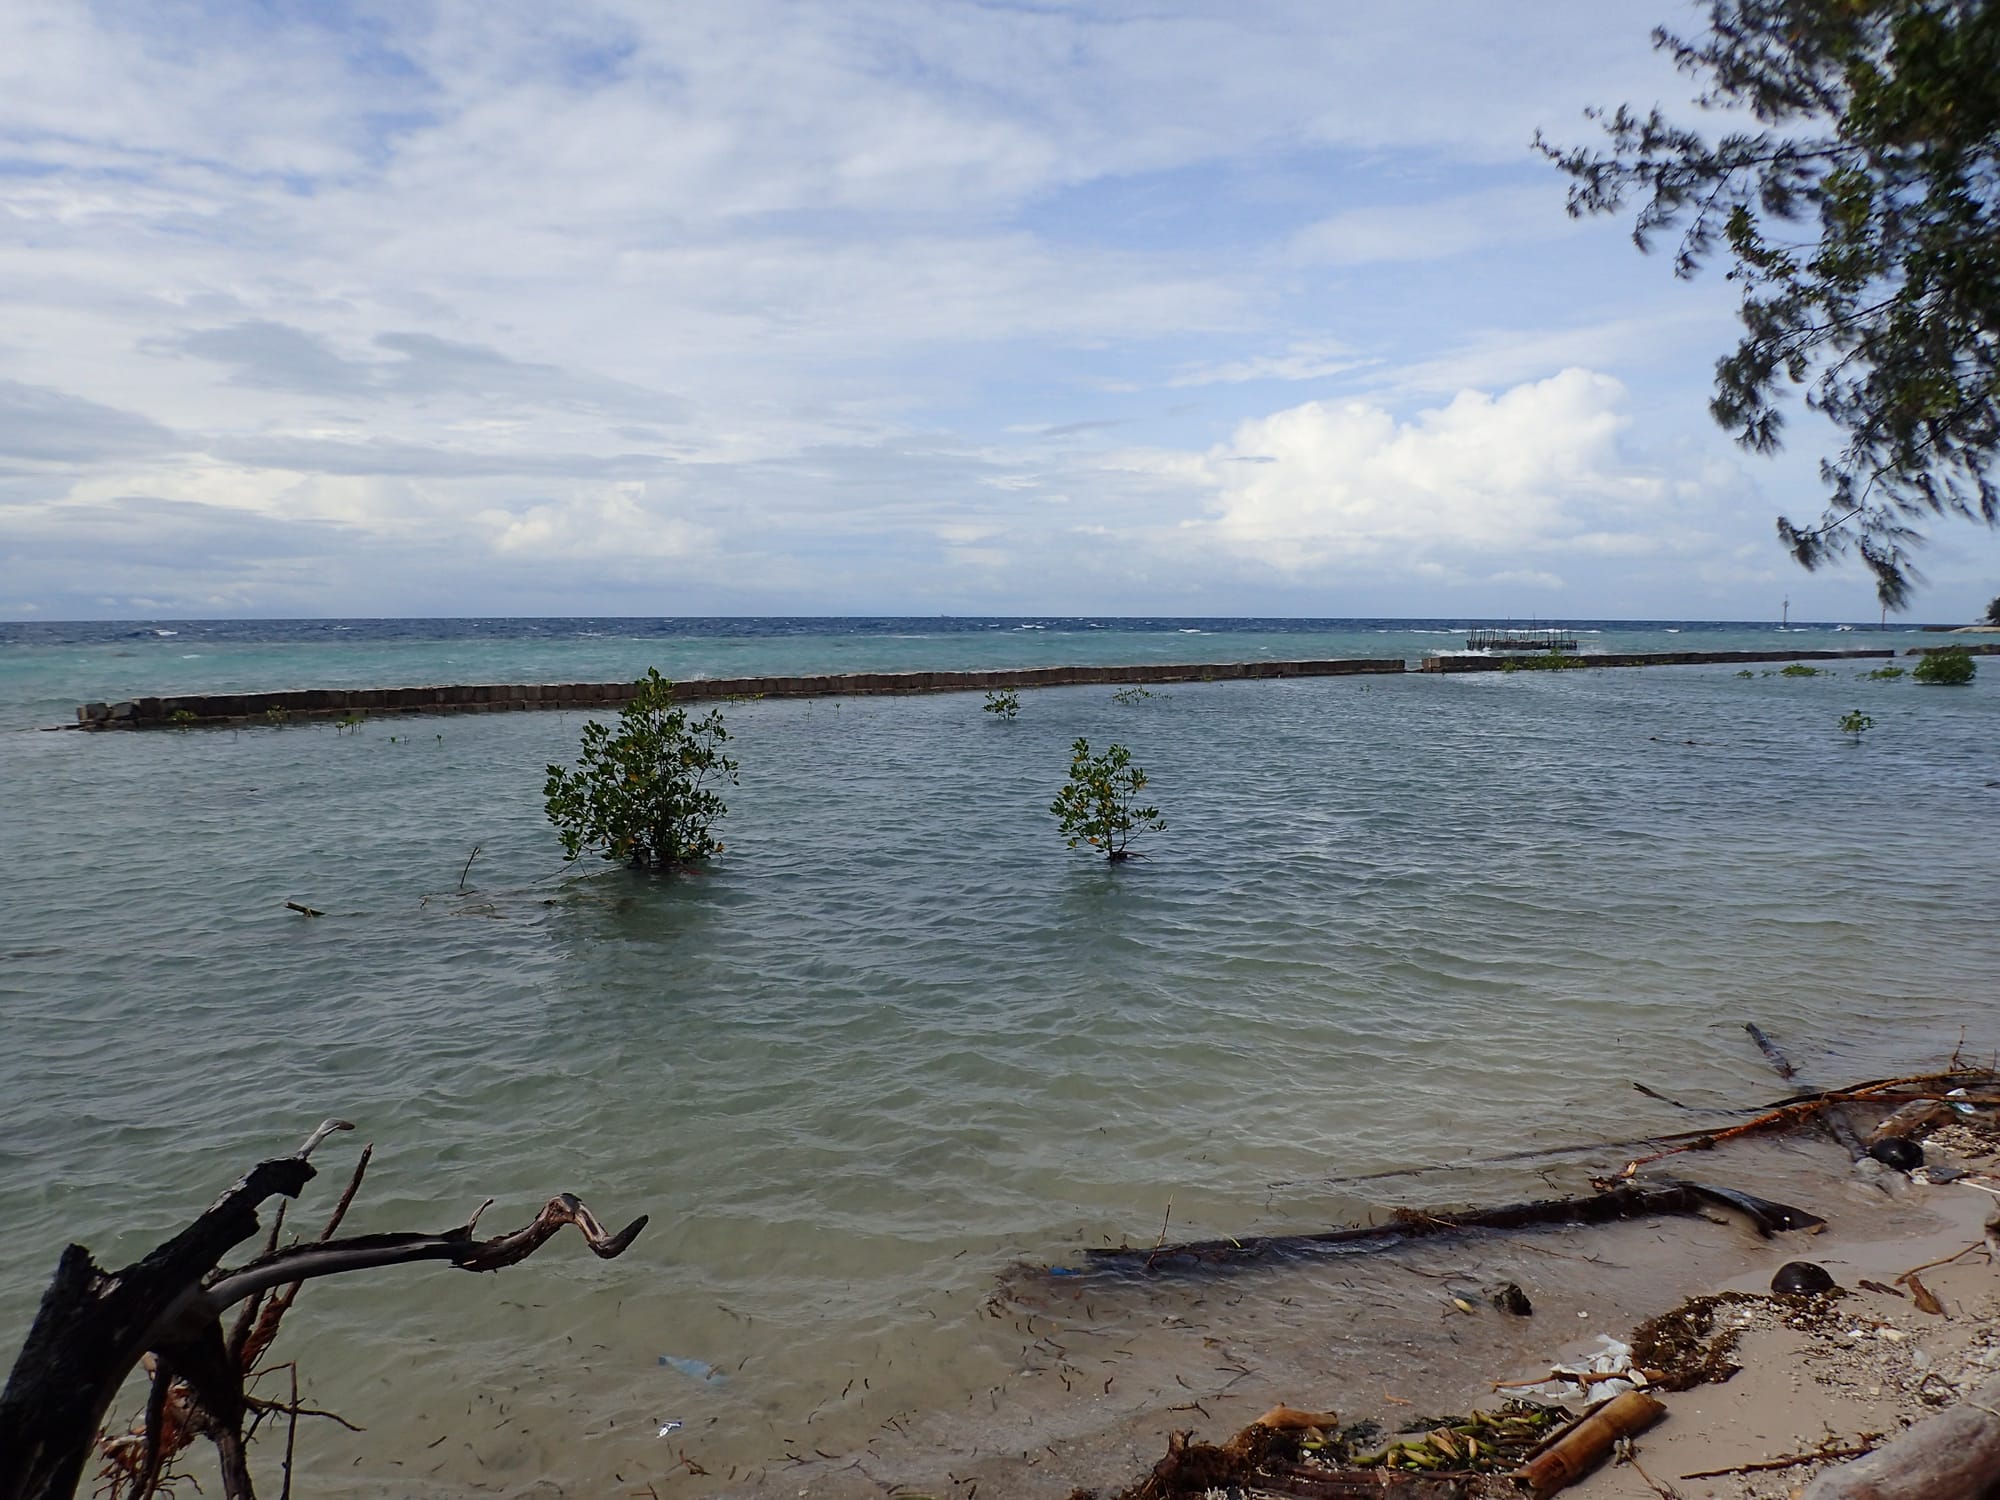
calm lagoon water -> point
(898, 1038)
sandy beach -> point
(1816, 1378)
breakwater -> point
(1637, 659)
(228, 708)
(341, 703)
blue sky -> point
(868, 306)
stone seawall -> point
(1638, 659)
(486, 698)
(237, 708)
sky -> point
(1189, 307)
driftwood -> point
(1625, 1202)
(94, 1326)
(1779, 1114)
(1589, 1442)
(1952, 1456)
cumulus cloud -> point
(1348, 484)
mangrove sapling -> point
(1854, 724)
(1099, 807)
(1885, 674)
(1952, 667)
(1798, 669)
(1003, 704)
(643, 796)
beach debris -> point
(302, 909)
(1624, 1201)
(1592, 1380)
(668, 1429)
(1899, 1152)
(1779, 1062)
(1590, 1442)
(165, 1311)
(1801, 1278)
(1509, 1298)
(1922, 1295)
(1684, 1347)
(694, 1369)
(1906, 1121)
(1951, 1456)
(1292, 1452)
(1829, 1450)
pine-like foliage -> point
(1856, 188)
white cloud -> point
(1348, 484)
(1438, 229)
(1302, 361)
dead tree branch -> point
(94, 1326)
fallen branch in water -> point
(1624, 1202)
(95, 1326)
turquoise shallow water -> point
(898, 1037)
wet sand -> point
(1107, 1369)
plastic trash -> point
(694, 1369)
(669, 1427)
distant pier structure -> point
(1512, 639)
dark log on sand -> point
(1626, 1202)
(95, 1325)
(1952, 1456)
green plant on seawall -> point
(350, 721)
(1854, 724)
(1099, 805)
(1798, 669)
(1952, 667)
(1547, 661)
(275, 715)
(181, 718)
(1885, 674)
(1003, 704)
(643, 795)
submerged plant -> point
(1003, 704)
(1099, 807)
(1854, 724)
(1951, 667)
(1885, 674)
(643, 795)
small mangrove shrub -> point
(1131, 695)
(1003, 704)
(1100, 804)
(1952, 667)
(1885, 674)
(1798, 669)
(1854, 724)
(643, 794)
